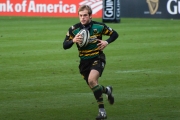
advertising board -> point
(69, 8)
(150, 8)
(111, 11)
(56, 8)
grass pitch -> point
(40, 81)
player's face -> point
(84, 17)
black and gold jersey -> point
(96, 30)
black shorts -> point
(97, 63)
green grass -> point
(40, 81)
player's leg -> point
(98, 93)
(99, 65)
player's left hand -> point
(102, 44)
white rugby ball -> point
(85, 37)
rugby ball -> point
(85, 37)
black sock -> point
(104, 90)
(98, 90)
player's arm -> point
(113, 35)
(68, 41)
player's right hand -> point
(77, 39)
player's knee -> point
(92, 82)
